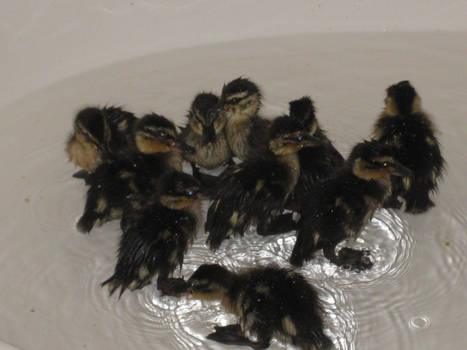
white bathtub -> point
(155, 55)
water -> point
(413, 298)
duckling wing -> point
(258, 138)
(317, 163)
(416, 144)
(109, 187)
(276, 301)
(114, 183)
(154, 240)
(251, 190)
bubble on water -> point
(420, 322)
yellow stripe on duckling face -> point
(363, 170)
(149, 145)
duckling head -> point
(202, 121)
(155, 134)
(372, 160)
(89, 126)
(288, 136)
(402, 99)
(178, 190)
(210, 282)
(241, 98)
(303, 110)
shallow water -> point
(413, 298)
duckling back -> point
(275, 302)
(119, 138)
(154, 241)
(250, 190)
(406, 127)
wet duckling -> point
(205, 133)
(254, 190)
(99, 134)
(339, 207)
(269, 301)
(318, 162)
(246, 131)
(404, 125)
(113, 183)
(157, 231)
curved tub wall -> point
(154, 55)
(48, 40)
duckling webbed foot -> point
(233, 335)
(279, 224)
(172, 286)
(355, 260)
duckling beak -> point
(400, 170)
(209, 134)
(182, 147)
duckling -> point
(339, 207)
(269, 301)
(205, 133)
(113, 183)
(256, 189)
(157, 231)
(404, 125)
(317, 163)
(245, 130)
(99, 134)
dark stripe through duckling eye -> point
(234, 100)
(373, 165)
(200, 286)
(158, 133)
(376, 165)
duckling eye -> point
(190, 193)
(162, 133)
(299, 137)
(234, 100)
(385, 164)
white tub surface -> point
(155, 55)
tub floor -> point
(413, 298)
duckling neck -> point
(292, 162)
